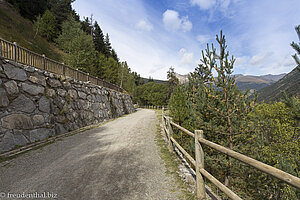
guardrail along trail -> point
(118, 160)
(199, 160)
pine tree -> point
(98, 39)
(297, 48)
(86, 25)
(114, 55)
(173, 81)
(224, 107)
(78, 46)
(30, 9)
(61, 9)
(107, 46)
(46, 26)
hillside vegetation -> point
(290, 84)
(53, 28)
(15, 28)
(268, 132)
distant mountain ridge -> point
(246, 81)
(290, 83)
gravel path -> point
(118, 160)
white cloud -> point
(173, 22)
(144, 25)
(187, 58)
(260, 59)
(241, 62)
(203, 39)
(186, 25)
(203, 4)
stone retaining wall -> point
(35, 104)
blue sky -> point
(153, 35)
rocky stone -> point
(50, 92)
(72, 94)
(11, 87)
(59, 129)
(61, 119)
(7, 142)
(19, 137)
(3, 98)
(38, 120)
(94, 90)
(54, 83)
(14, 73)
(38, 79)
(17, 121)
(23, 104)
(40, 134)
(81, 95)
(29, 68)
(89, 98)
(61, 92)
(33, 89)
(44, 104)
(67, 85)
(59, 102)
(0, 82)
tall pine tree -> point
(98, 39)
(107, 46)
(86, 25)
(114, 55)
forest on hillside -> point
(86, 47)
(268, 132)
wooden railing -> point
(198, 161)
(12, 51)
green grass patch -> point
(171, 162)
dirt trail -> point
(118, 160)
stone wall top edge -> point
(61, 78)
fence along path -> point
(12, 51)
(198, 162)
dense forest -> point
(268, 132)
(86, 47)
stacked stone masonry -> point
(35, 105)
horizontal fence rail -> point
(12, 51)
(198, 162)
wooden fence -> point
(198, 162)
(12, 51)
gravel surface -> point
(118, 160)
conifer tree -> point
(86, 25)
(223, 106)
(107, 46)
(297, 48)
(46, 26)
(98, 38)
(173, 81)
(78, 46)
(114, 55)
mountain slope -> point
(14, 28)
(290, 83)
(248, 81)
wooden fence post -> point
(44, 61)
(170, 134)
(16, 51)
(77, 74)
(64, 69)
(199, 158)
